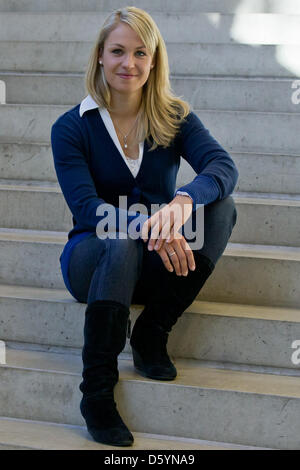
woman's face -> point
(130, 59)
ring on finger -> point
(173, 253)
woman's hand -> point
(178, 254)
(166, 222)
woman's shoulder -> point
(189, 122)
(69, 127)
(191, 118)
(69, 117)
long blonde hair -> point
(161, 112)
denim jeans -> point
(125, 270)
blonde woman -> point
(126, 138)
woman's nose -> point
(128, 60)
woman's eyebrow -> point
(120, 45)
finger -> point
(166, 260)
(174, 260)
(145, 229)
(189, 255)
(154, 236)
(182, 260)
(164, 234)
(156, 230)
(171, 224)
(178, 247)
(175, 234)
(172, 235)
(159, 242)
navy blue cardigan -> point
(91, 171)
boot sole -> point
(138, 365)
(155, 377)
(110, 443)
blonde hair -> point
(161, 112)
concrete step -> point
(273, 173)
(36, 205)
(207, 331)
(262, 217)
(202, 403)
(21, 434)
(259, 274)
(242, 131)
(27, 161)
(166, 6)
(237, 131)
(234, 93)
(258, 173)
(195, 58)
(249, 28)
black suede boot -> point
(151, 329)
(149, 347)
(104, 338)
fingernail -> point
(193, 268)
(150, 248)
(156, 247)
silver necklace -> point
(125, 136)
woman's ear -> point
(153, 61)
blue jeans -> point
(125, 270)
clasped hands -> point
(165, 238)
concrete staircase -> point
(238, 384)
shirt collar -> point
(87, 104)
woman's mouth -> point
(125, 76)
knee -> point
(224, 211)
(230, 210)
(127, 246)
(126, 249)
(219, 220)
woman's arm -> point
(217, 174)
(216, 178)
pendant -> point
(125, 145)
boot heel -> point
(104, 423)
(138, 363)
(153, 371)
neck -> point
(125, 106)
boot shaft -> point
(104, 339)
(175, 295)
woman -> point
(125, 139)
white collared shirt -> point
(133, 164)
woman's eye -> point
(119, 50)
